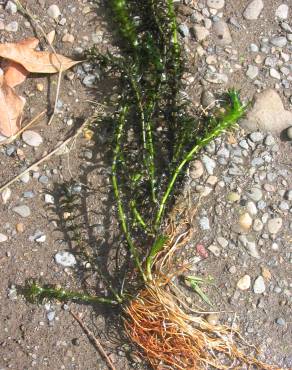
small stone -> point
(89, 80)
(25, 178)
(211, 59)
(5, 195)
(255, 194)
(11, 7)
(65, 259)
(256, 137)
(43, 179)
(282, 11)
(22, 210)
(41, 238)
(279, 41)
(286, 27)
(274, 225)
(32, 138)
(253, 48)
(288, 195)
(68, 38)
(222, 32)
(215, 250)
(233, 197)
(284, 206)
(216, 4)
(51, 315)
(3, 238)
(212, 318)
(184, 30)
(245, 221)
(289, 133)
(251, 207)
(200, 32)
(40, 87)
(196, 170)
(280, 321)
(244, 282)
(259, 286)
(250, 245)
(209, 164)
(257, 225)
(54, 11)
(20, 227)
(204, 223)
(252, 71)
(275, 74)
(49, 199)
(253, 10)
(207, 99)
(12, 27)
(266, 273)
(269, 140)
(28, 194)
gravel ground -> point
(240, 184)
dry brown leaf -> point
(35, 61)
(15, 73)
(11, 107)
(51, 36)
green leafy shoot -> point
(195, 282)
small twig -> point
(46, 157)
(12, 138)
(57, 96)
(95, 341)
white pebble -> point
(259, 286)
(32, 138)
(244, 283)
(3, 238)
(53, 11)
(65, 259)
(5, 195)
(282, 11)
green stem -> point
(121, 212)
(230, 118)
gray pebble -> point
(255, 194)
(10, 150)
(43, 179)
(65, 259)
(253, 48)
(184, 30)
(279, 41)
(204, 223)
(269, 140)
(32, 138)
(51, 315)
(253, 9)
(207, 99)
(12, 27)
(53, 11)
(216, 78)
(200, 32)
(259, 286)
(209, 164)
(252, 71)
(28, 194)
(22, 210)
(89, 80)
(256, 136)
(284, 206)
(282, 11)
(222, 32)
(11, 7)
(280, 321)
(285, 26)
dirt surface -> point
(47, 336)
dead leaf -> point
(51, 37)
(35, 61)
(15, 73)
(11, 107)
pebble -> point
(253, 48)
(255, 194)
(250, 245)
(65, 259)
(212, 318)
(28, 194)
(89, 80)
(269, 140)
(233, 197)
(274, 225)
(53, 11)
(251, 207)
(49, 199)
(11, 7)
(222, 32)
(252, 71)
(259, 286)
(216, 4)
(279, 41)
(282, 11)
(3, 238)
(256, 136)
(289, 133)
(288, 195)
(5, 195)
(51, 315)
(280, 321)
(43, 179)
(244, 282)
(200, 32)
(196, 170)
(41, 238)
(12, 27)
(184, 30)
(215, 250)
(20, 227)
(257, 225)
(204, 223)
(209, 164)
(245, 221)
(275, 74)
(22, 210)
(253, 10)
(207, 99)
(32, 138)
(25, 178)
